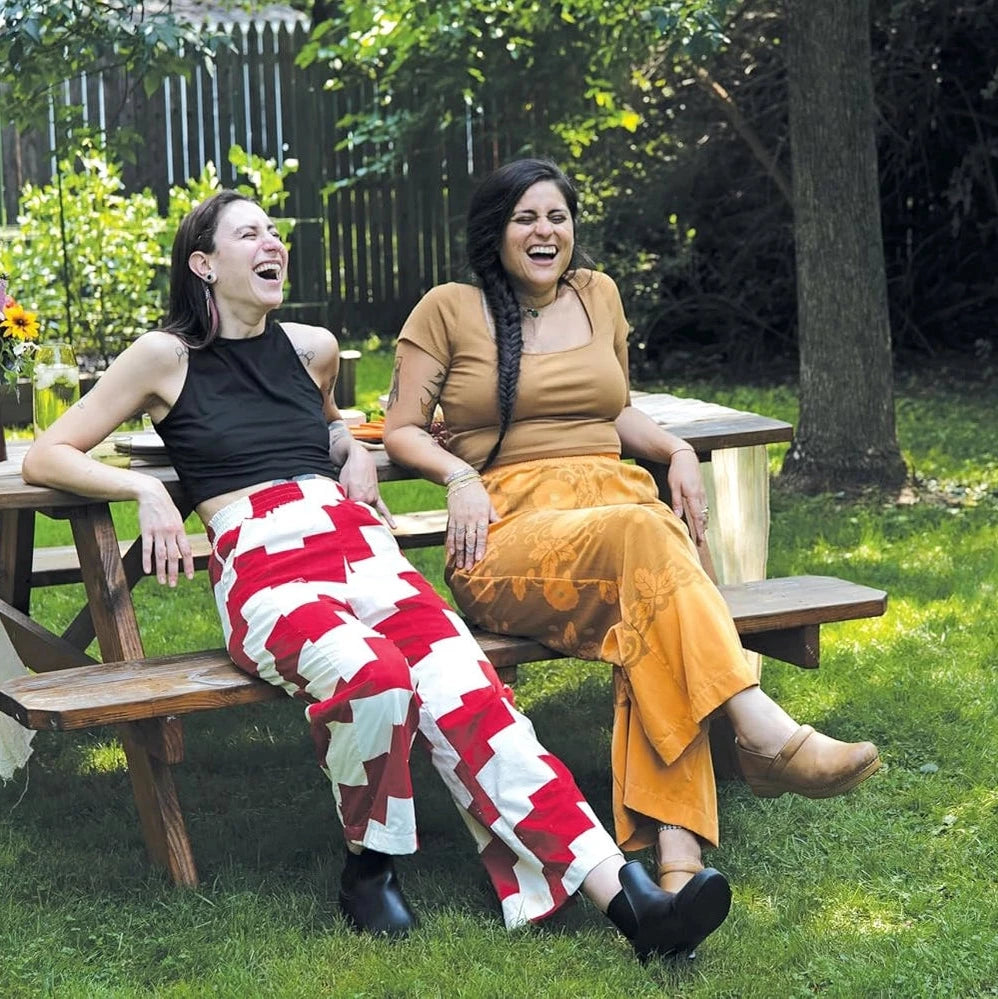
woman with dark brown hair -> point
(551, 535)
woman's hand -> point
(689, 498)
(359, 477)
(164, 541)
(469, 513)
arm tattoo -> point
(183, 351)
(428, 404)
(307, 356)
(430, 439)
(393, 392)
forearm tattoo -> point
(430, 439)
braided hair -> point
(489, 212)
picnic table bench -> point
(146, 696)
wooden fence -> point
(362, 254)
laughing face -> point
(537, 243)
(249, 261)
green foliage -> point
(567, 69)
(264, 183)
(89, 253)
(44, 42)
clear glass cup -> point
(55, 383)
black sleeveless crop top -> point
(248, 413)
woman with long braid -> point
(550, 535)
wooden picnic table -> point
(108, 576)
(97, 543)
(153, 744)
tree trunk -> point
(845, 436)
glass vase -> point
(55, 383)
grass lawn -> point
(889, 891)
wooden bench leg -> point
(17, 533)
(722, 749)
(151, 747)
(800, 646)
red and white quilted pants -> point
(316, 598)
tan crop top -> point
(567, 401)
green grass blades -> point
(889, 892)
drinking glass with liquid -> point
(55, 383)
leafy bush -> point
(89, 255)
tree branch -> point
(748, 134)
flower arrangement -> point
(18, 335)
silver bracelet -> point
(336, 428)
(459, 473)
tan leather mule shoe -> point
(809, 764)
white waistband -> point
(315, 488)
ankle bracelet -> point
(664, 826)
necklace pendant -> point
(533, 313)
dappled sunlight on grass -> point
(860, 912)
(103, 758)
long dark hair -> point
(489, 212)
(190, 313)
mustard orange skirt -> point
(588, 560)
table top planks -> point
(720, 428)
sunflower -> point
(19, 324)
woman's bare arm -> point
(135, 381)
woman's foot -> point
(674, 875)
(809, 764)
(776, 755)
(371, 897)
(677, 856)
(668, 924)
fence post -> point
(345, 389)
